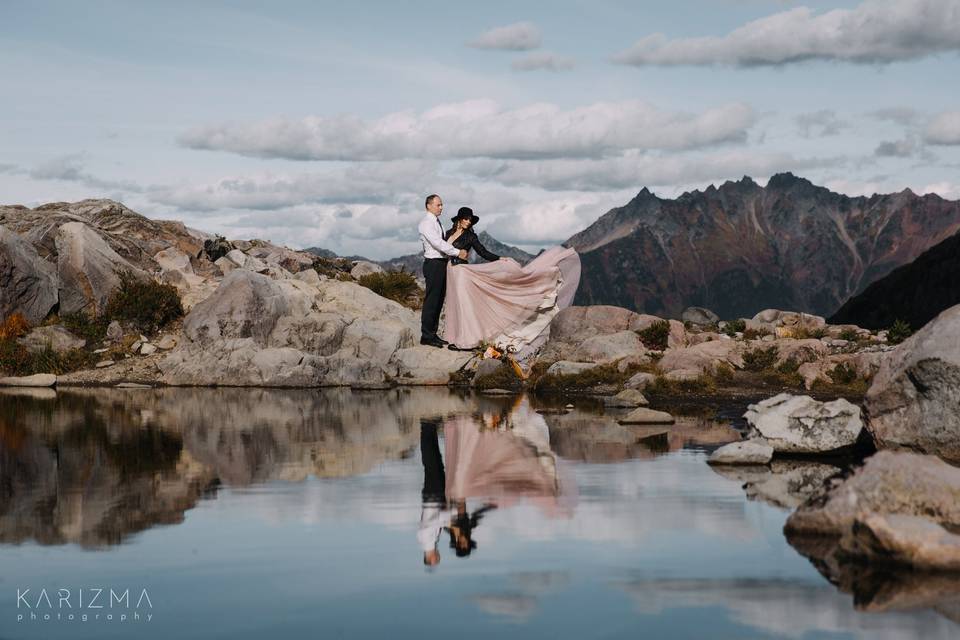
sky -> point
(326, 124)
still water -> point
(231, 513)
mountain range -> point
(914, 293)
(740, 248)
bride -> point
(501, 302)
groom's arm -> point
(431, 232)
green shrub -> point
(849, 334)
(753, 334)
(656, 335)
(146, 304)
(760, 358)
(605, 374)
(843, 373)
(899, 332)
(664, 386)
(723, 374)
(17, 360)
(92, 329)
(788, 366)
(504, 377)
(398, 286)
(734, 327)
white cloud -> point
(822, 123)
(480, 128)
(896, 148)
(944, 128)
(946, 190)
(543, 60)
(632, 171)
(70, 168)
(520, 36)
(876, 31)
(370, 183)
(903, 116)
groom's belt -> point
(441, 259)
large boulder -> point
(702, 358)
(699, 316)
(800, 424)
(258, 331)
(423, 365)
(890, 482)
(897, 539)
(789, 320)
(573, 324)
(609, 347)
(87, 268)
(914, 401)
(364, 268)
(28, 283)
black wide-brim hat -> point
(466, 213)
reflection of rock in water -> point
(599, 438)
(93, 466)
(81, 483)
(878, 589)
(784, 484)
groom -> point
(436, 252)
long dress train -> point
(507, 304)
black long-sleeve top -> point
(469, 240)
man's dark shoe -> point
(432, 342)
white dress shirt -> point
(431, 235)
(433, 518)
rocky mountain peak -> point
(739, 248)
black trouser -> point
(435, 273)
(434, 477)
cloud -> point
(520, 36)
(369, 183)
(876, 31)
(480, 128)
(944, 128)
(820, 123)
(543, 60)
(896, 149)
(70, 168)
(903, 116)
(632, 171)
(946, 190)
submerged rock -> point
(647, 416)
(36, 380)
(749, 452)
(627, 398)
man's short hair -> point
(430, 198)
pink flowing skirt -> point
(509, 304)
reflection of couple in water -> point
(497, 457)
